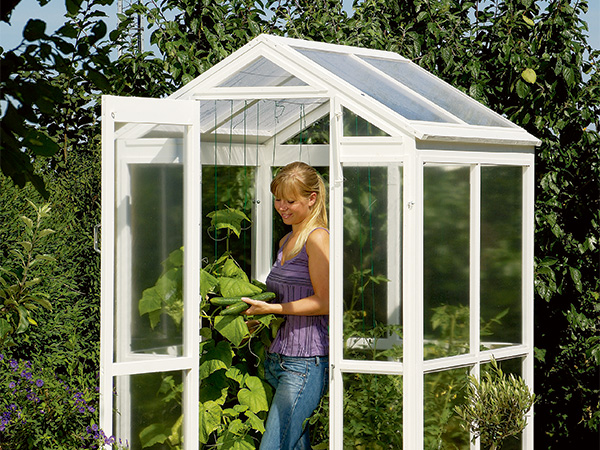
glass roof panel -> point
(375, 85)
(437, 91)
(254, 117)
(262, 72)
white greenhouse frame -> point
(185, 129)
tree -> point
(531, 64)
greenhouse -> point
(431, 199)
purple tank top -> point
(298, 335)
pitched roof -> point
(272, 81)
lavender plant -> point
(38, 409)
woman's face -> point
(296, 210)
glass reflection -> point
(446, 260)
(372, 411)
(501, 255)
(372, 306)
(442, 392)
(156, 218)
(148, 410)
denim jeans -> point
(299, 385)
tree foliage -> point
(526, 59)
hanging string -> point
(257, 131)
(216, 178)
(302, 124)
(244, 238)
(230, 128)
(371, 245)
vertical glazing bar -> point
(394, 243)
(262, 218)
(475, 273)
(107, 264)
(336, 310)
(192, 231)
(413, 305)
(475, 259)
(528, 287)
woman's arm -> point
(317, 249)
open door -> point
(150, 289)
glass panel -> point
(372, 271)
(148, 410)
(372, 411)
(514, 367)
(262, 72)
(251, 121)
(354, 125)
(446, 260)
(435, 90)
(442, 392)
(501, 255)
(315, 133)
(375, 85)
(155, 297)
(227, 187)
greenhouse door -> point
(150, 285)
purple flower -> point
(12, 385)
(26, 375)
(91, 409)
(81, 409)
(39, 382)
(14, 365)
(94, 427)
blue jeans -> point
(299, 385)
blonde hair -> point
(298, 180)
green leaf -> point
(529, 75)
(23, 319)
(210, 419)
(5, 328)
(28, 222)
(34, 30)
(528, 21)
(157, 433)
(228, 219)
(208, 283)
(40, 143)
(45, 232)
(254, 395)
(218, 357)
(232, 270)
(234, 287)
(232, 328)
(576, 277)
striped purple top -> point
(298, 335)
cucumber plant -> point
(234, 396)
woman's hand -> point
(258, 307)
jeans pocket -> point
(295, 366)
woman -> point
(297, 362)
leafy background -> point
(51, 82)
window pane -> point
(262, 72)
(148, 407)
(156, 227)
(434, 89)
(372, 411)
(509, 367)
(501, 255)
(442, 392)
(372, 272)
(354, 125)
(446, 260)
(227, 187)
(375, 85)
